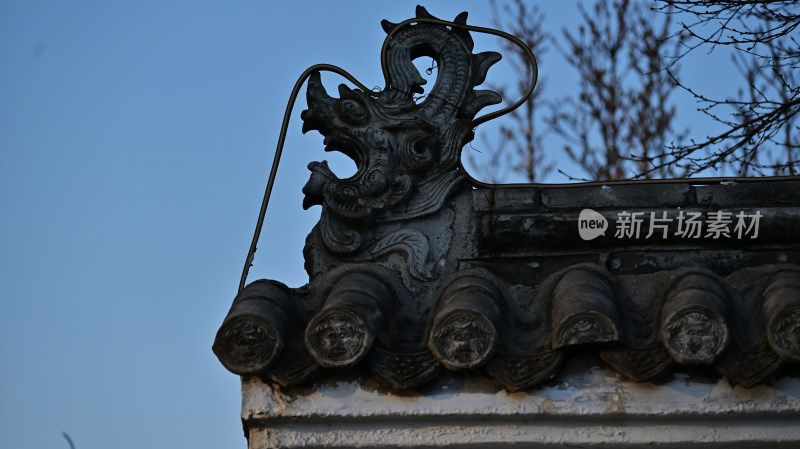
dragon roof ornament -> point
(414, 267)
(407, 154)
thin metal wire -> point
(279, 150)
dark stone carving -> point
(253, 335)
(403, 370)
(414, 268)
(749, 369)
(407, 154)
(639, 365)
(338, 338)
(782, 307)
(249, 345)
(464, 335)
(695, 335)
(463, 340)
(296, 367)
(341, 334)
(518, 373)
(584, 310)
(785, 335)
(693, 325)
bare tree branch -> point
(621, 119)
(761, 136)
(520, 147)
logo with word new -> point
(591, 224)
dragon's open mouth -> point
(350, 149)
(340, 196)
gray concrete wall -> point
(587, 405)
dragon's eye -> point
(417, 151)
(353, 111)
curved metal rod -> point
(279, 150)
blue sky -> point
(135, 141)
